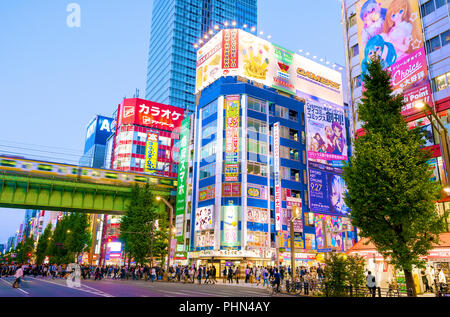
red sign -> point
(413, 96)
(150, 114)
(230, 49)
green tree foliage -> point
(43, 243)
(342, 272)
(389, 189)
(355, 269)
(138, 227)
(79, 238)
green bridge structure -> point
(33, 191)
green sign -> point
(182, 176)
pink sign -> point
(421, 93)
(410, 71)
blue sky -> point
(54, 79)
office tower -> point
(176, 26)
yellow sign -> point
(151, 153)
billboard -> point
(231, 138)
(151, 153)
(150, 114)
(204, 218)
(256, 191)
(182, 176)
(264, 63)
(98, 130)
(230, 232)
(391, 29)
(326, 131)
(258, 215)
(326, 228)
(327, 189)
(277, 177)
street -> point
(38, 287)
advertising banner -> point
(265, 63)
(425, 125)
(292, 203)
(258, 239)
(419, 94)
(258, 215)
(256, 191)
(392, 30)
(98, 130)
(206, 193)
(182, 177)
(204, 218)
(231, 138)
(231, 189)
(333, 238)
(204, 239)
(230, 232)
(150, 114)
(277, 177)
(151, 153)
(326, 131)
(310, 241)
(327, 190)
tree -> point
(336, 275)
(43, 243)
(79, 237)
(138, 227)
(355, 269)
(389, 189)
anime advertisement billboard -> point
(204, 218)
(391, 29)
(326, 132)
(327, 189)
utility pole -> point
(295, 215)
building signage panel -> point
(151, 153)
(204, 218)
(231, 138)
(277, 178)
(256, 191)
(230, 233)
(182, 177)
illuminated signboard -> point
(150, 114)
(264, 63)
(151, 153)
(277, 178)
(231, 138)
(230, 232)
(204, 218)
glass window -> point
(209, 129)
(293, 154)
(256, 125)
(208, 170)
(209, 110)
(445, 37)
(355, 50)
(440, 83)
(293, 115)
(295, 175)
(352, 20)
(165, 141)
(434, 44)
(208, 150)
(256, 168)
(427, 7)
(293, 134)
(357, 81)
(256, 105)
(439, 3)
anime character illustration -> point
(373, 16)
(399, 28)
(337, 236)
(337, 190)
(319, 233)
(378, 47)
(329, 139)
(338, 138)
(320, 142)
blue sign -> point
(98, 131)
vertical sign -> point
(230, 49)
(231, 138)
(151, 153)
(182, 173)
(230, 237)
(276, 170)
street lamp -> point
(444, 139)
(295, 215)
(171, 229)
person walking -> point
(224, 275)
(371, 284)
(442, 281)
(265, 276)
(237, 274)
(213, 274)
(18, 275)
(230, 275)
(247, 274)
(199, 275)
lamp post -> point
(444, 139)
(295, 215)
(170, 227)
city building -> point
(418, 58)
(98, 130)
(175, 26)
(261, 154)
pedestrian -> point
(237, 274)
(224, 275)
(306, 284)
(207, 275)
(213, 274)
(424, 280)
(18, 276)
(230, 275)
(199, 275)
(265, 276)
(247, 274)
(442, 280)
(370, 282)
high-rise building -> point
(98, 130)
(270, 132)
(176, 26)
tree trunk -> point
(410, 283)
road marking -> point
(15, 288)
(96, 292)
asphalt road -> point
(39, 287)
